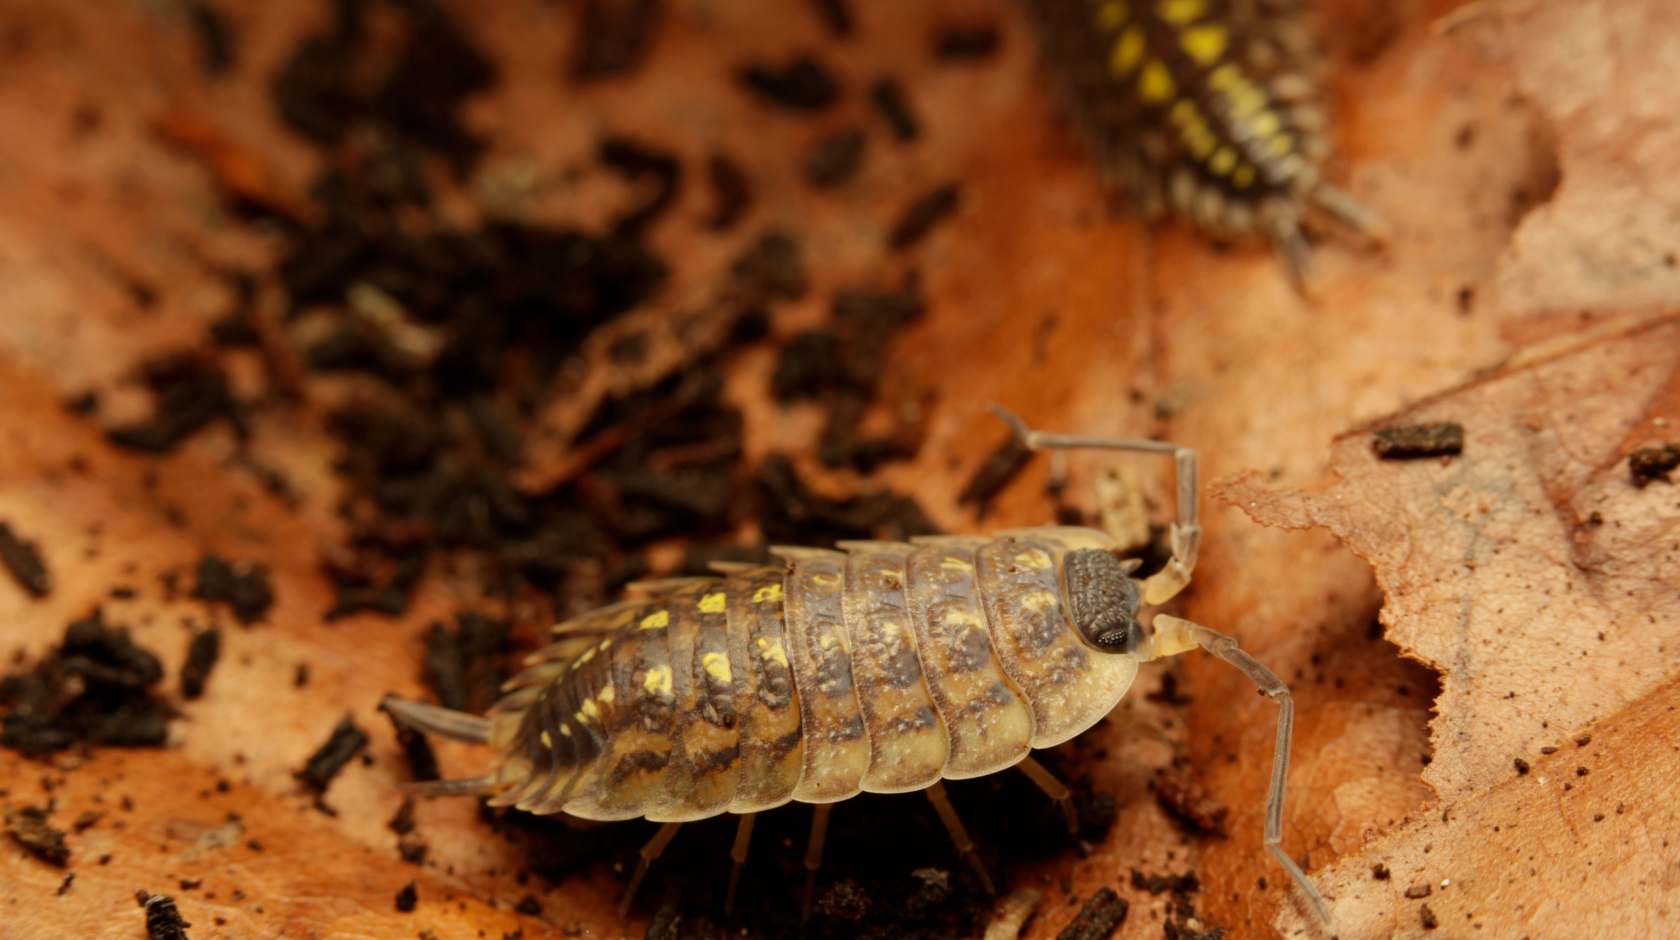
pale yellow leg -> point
(654, 848)
(1053, 788)
(959, 835)
(738, 852)
(813, 856)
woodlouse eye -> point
(1102, 600)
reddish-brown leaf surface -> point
(1083, 320)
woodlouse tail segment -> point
(442, 722)
(1351, 212)
(655, 847)
(1174, 635)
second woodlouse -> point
(1212, 110)
(886, 667)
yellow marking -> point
(566, 730)
(581, 718)
(1200, 140)
(606, 695)
(1180, 12)
(770, 650)
(1111, 14)
(589, 709)
(955, 564)
(1204, 43)
(1155, 85)
(889, 631)
(657, 681)
(1265, 124)
(1245, 97)
(770, 592)
(604, 644)
(1280, 146)
(826, 641)
(712, 603)
(547, 741)
(717, 666)
(1127, 52)
(655, 621)
(586, 657)
(825, 579)
(1243, 177)
(1224, 161)
(1031, 558)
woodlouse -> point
(1211, 109)
(886, 667)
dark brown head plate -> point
(1102, 601)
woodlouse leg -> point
(1179, 633)
(813, 856)
(654, 848)
(738, 852)
(1053, 788)
(1163, 585)
(959, 835)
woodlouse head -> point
(1103, 600)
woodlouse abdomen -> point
(1211, 109)
(883, 668)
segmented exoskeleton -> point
(885, 667)
(1212, 109)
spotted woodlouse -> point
(885, 667)
(1211, 109)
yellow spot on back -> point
(1224, 160)
(1127, 53)
(1031, 558)
(586, 657)
(827, 641)
(770, 592)
(772, 651)
(657, 681)
(1243, 177)
(1180, 12)
(566, 730)
(589, 709)
(1280, 146)
(656, 621)
(1110, 15)
(607, 695)
(955, 564)
(1204, 43)
(712, 603)
(1265, 124)
(717, 666)
(547, 741)
(604, 644)
(1155, 85)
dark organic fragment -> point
(793, 515)
(888, 98)
(1520, 765)
(1418, 891)
(163, 918)
(1004, 464)
(640, 162)
(408, 897)
(1427, 917)
(921, 216)
(1653, 463)
(1405, 442)
(243, 586)
(464, 666)
(346, 742)
(191, 393)
(613, 36)
(836, 15)
(529, 906)
(92, 688)
(1098, 919)
(1155, 884)
(215, 37)
(803, 84)
(201, 658)
(968, 42)
(24, 561)
(28, 825)
(734, 193)
(1380, 872)
(1182, 795)
(835, 159)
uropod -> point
(883, 667)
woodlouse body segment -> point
(1210, 109)
(772, 743)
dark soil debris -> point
(836, 16)
(242, 586)
(967, 42)
(163, 918)
(422, 762)
(1407, 442)
(205, 649)
(93, 688)
(23, 559)
(732, 191)
(1182, 795)
(466, 666)
(888, 98)
(1000, 468)
(408, 898)
(835, 159)
(1653, 463)
(1427, 917)
(191, 392)
(1098, 918)
(346, 742)
(921, 216)
(803, 84)
(29, 827)
(613, 36)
